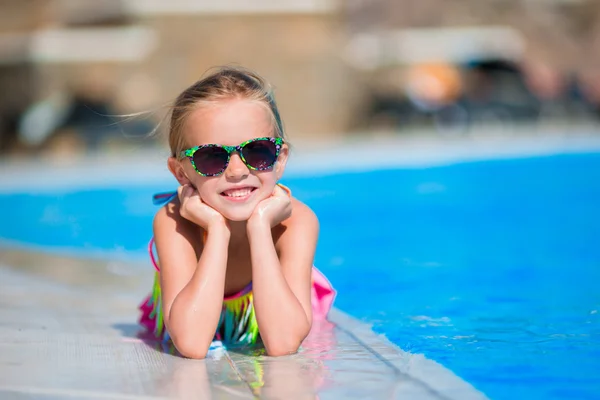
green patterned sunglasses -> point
(258, 154)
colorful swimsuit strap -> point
(160, 199)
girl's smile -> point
(239, 194)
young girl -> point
(235, 248)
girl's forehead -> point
(228, 122)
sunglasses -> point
(258, 154)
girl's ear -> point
(177, 170)
(282, 161)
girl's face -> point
(237, 191)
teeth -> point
(237, 192)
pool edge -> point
(435, 376)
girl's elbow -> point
(190, 348)
(280, 348)
(282, 351)
(193, 352)
(282, 345)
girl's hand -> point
(194, 209)
(273, 210)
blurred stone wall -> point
(298, 54)
(150, 50)
(296, 50)
(564, 34)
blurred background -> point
(69, 68)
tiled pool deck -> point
(67, 325)
(68, 330)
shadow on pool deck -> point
(68, 330)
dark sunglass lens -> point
(210, 160)
(260, 154)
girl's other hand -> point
(272, 210)
(194, 209)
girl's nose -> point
(236, 168)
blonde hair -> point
(225, 84)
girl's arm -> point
(192, 290)
(282, 283)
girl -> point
(235, 248)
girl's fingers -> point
(184, 192)
(180, 192)
(279, 192)
(193, 192)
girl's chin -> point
(238, 211)
(237, 218)
(237, 215)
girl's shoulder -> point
(168, 213)
(300, 211)
(302, 223)
(168, 221)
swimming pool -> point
(490, 268)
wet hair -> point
(226, 83)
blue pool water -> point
(491, 268)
